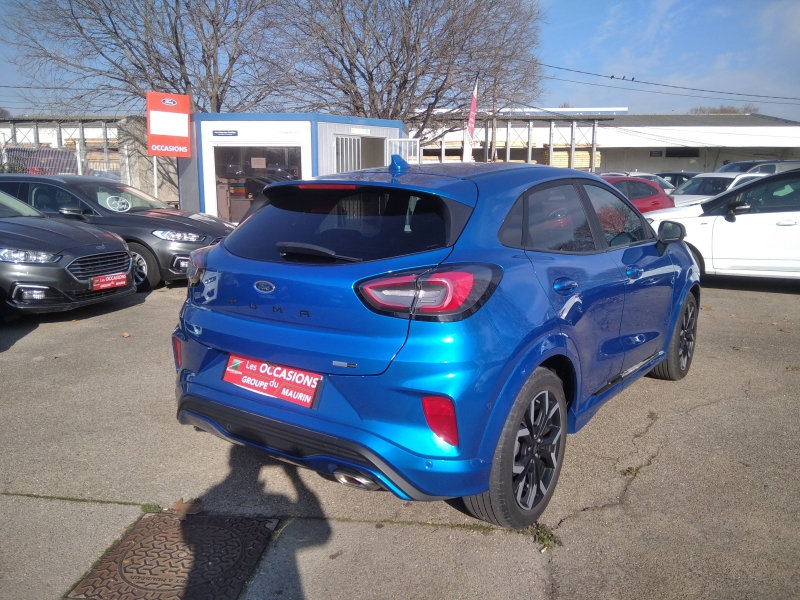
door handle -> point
(565, 286)
(786, 223)
(634, 271)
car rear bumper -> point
(303, 447)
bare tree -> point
(100, 55)
(746, 109)
(413, 60)
(4, 114)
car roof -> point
(726, 175)
(60, 178)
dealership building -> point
(232, 153)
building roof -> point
(670, 120)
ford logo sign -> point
(265, 287)
(169, 102)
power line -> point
(617, 87)
(679, 87)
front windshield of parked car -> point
(120, 198)
(11, 207)
(704, 186)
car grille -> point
(87, 267)
(82, 295)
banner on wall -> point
(168, 125)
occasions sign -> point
(277, 381)
(168, 125)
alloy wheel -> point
(686, 347)
(139, 268)
(536, 450)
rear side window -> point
(557, 221)
(10, 187)
(639, 190)
(361, 223)
(621, 225)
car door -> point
(645, 196)
(767, 237)
(648, 274)
(583, 283)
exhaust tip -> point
(356, 480)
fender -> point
(517, 372)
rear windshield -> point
(352, 223)
(736, 167)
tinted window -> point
(511, 232)
(621, 225)
(363, 223)
(736, 167)
(557, 221)
(49, 198)
(704, 186)
(10, 187)
(766, 169)
(622, 186)
(778, 196)
(638, 190)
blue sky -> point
(746, 46)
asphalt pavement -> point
(674, 490)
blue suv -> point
(434, 330)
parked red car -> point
(645, 195)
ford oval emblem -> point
(265, 287)
(169, 101)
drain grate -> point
(164, 558)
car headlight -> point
(178, 236)
(26, 256)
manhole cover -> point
(164, 558)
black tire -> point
(516, 500)
(146, 273)
(681, 346)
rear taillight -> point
(198, 260)
(447, 293)
(177, 351)
(440, 413)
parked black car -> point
(160, 238)
(49, 265)
(677, 178)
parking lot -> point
(674, 490)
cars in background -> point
(751, 230)
(663, 183)
(645, 195)
(739, 166)
(777, 166)
(677, 178)
(160, 238)
(432, 330)
(707, 185)
(49, 265)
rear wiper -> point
(311, 250)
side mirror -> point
(71, 210)
(670, 232)
(737, 208)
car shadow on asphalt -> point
(751, 284)
(243, 486)
(17, 327)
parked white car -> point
(707, 185)
(752, 230)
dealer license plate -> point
(277, 381)
(104, 282)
